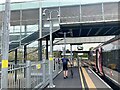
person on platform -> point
(65, 67)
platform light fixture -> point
(45, 11)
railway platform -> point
(83, 78)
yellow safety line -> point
(81, 78)
(88, 79)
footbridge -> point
(29, 24)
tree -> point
(91, 48)
(57, 53)
(75, 55)
(11, 56)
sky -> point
(81, 1)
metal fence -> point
(31, 75)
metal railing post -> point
(44, 73)
(28, 74)
(56, 67)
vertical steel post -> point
(44, 72)
(5, 45)
(25, 30)
(80, 13)
(59, 13)
(46, 48)
(25, 53)
(28, 74)
(51, 50)
(40, 41)
(71, 51)
(15, 65)
(56, 66)
(78, 60)
(20, 26)
(118, 54)
(25, 57)
(40, 20)
(103, 17)
(40, 50)
(64, 43)
(51, 57)
(40, 32)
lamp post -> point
(64, 48)
(51, 85)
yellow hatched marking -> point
(88, 79)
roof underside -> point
(88, 29)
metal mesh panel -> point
(15, 18)
(47, 70)
(30, 15)
(110, 11)
(15, 15)
(70, 14)
(36, 74)
(27, 17)
(91, 12)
